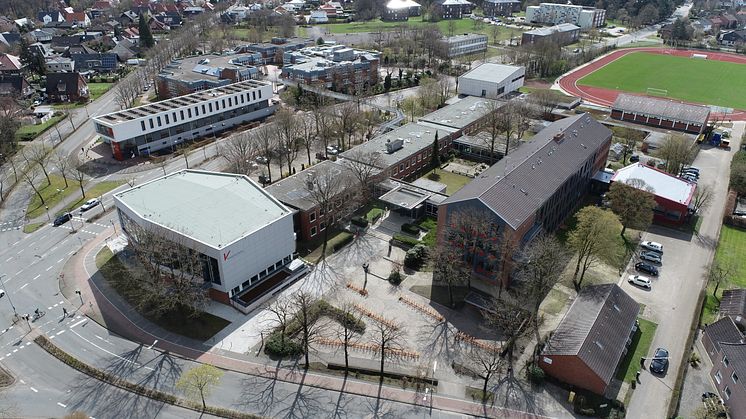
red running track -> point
(606, 97)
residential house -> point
(42, 35)
(333, 9)
(125, 50)
(78, 19)
(533, 189)
(318, 16)
(103, 62)
(14, 85)
(128, 17)
(732, 38)
(59, 64)
(452, 9)
(50, 17)
(172, 19)
(397, 10)
(495, 8)
(733, 305)
(10, 39)
(66, 87)
(592, 338)
(10, 64)
(100, 8)
(726, 347)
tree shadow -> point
(510, 393)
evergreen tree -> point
(146, 37)
(31, 58)
(436, 152)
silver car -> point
(651, 257)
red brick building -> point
(586, 348)
(726, 346)
(662, 113)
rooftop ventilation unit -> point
(393, 146)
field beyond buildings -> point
(694, 80)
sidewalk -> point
(108, 310)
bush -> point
(342, 243)
(410, 229)
(359, 221)
(275, 346)
(535, 374)
(434, 176)
(406, 240)
(415, 256)
(395, 277)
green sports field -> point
(690, 79)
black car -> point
(62, 219)
(634, 158)
(647, 268)
(660, 361)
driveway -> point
(672, 302)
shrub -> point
(535, 374)
(406, 240)
(415, 256)
(342, 243)
(275, 346)
(395, 277)
(434, 176)
(359, 221)
(411, 229)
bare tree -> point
(240, 150)
(286, 130)
(282, 313)
(303, 303)
(703, 196)
(346, 332)
(476, 235)
(63, 164)
(449, 267)
(677, 151)
(488, 363)
(390, 336)
(266, 141)
(80, 176)
(307, 135)
(546, 100)
(39, 155)
(364, 166)
(30, 176)
(509, 320)
(3, 181)
(130, 181)
(720, 274)
(493, 126)
(349, 122)
(199, 381)
(592, 239)
(539, 269)
(332, 193)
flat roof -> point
(662, 108)
(178, 102)
(464, 37)
(562, 27)
(210, 207)
(460, 114)
(491, 72)
(194, 68)
(401, 4)
(661, 183)
(415, 137)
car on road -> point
(660, 361)
(332, 150)
(261, 160)
(639, 280)
(654, 246)
(89, 204)
(62, 219)
(647, 268)
(651, 257)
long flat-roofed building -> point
(455, 46)
(242, 234)
(163, 125)
(663, 113)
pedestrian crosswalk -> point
(11, 225)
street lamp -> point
(366, 265)
(80, 295)
(48, 217)
(6, 293)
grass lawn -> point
(95, 90)
(431, 224)
(461, 26)
(52, 194)
(29, 132)
(312, 249)
(637, 349)
(554, 302)
(30, 228)
(730, 251)
(96, 191)
(695, 80)
(201, 327)
(452, 181)
(439, 293)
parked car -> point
(332, 150)
(634, 158)
(660, 361)
(647, 268)
(654, 246)
(651, 257)
(261, 160)
(689, 173)
(2, 293)
(89, 204)
(691, 169)
(640, 281)
(62, 219)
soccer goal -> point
(700, 56)
(652, 91)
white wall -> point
(474, 87)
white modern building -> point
(454, 46)
(168, 123)
(243, 235)
(491, 80)
(555, 13)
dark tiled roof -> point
(293, 190)
(736, 354)
(596, 328)
(71, 81)
(518, 185)
(724, 331)
(733, 302)
(663, 108)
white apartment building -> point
(168, 123)
(458, 45)
(555, 14)
(243, 235)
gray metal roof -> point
(562, 27)
(596, 328)
(491, 72)
(293, 190)
(519, 184)
(458, 115)
(211, 207)
(733, 302)
(724, 331)
(662, 108)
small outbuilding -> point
(491, 80)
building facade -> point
(455, 46)
(726, 347)
(491, 80)
(66, 87)
(452, 9)
(335, 67)
(662, 113)
(241, 234)
(495, 8)
(555, 14)
(60, 64)
(398, 10)
(562, 34)
(171, 122)
(531, 190)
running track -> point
(605, 97)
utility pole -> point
(9, 300)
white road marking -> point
(23, 286)
(15, 350)
(9, 259)
(49, 308)
(76, 324)
(71, 252)
(49, 268)
(112, 353)
(59, 333)
(22, 382)
(36, 277)
(60, 260)
(34, 390)
(19, 272)
(61, 405)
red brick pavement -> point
(606, 97)
(98, 305)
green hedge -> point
(359, 221)
(403, 238)
(412, 229)
(343, 242)
(415, 257)
(150, 393)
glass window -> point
(260, 94)
(718, 377)
(181, 113)
(725, 361)
(209, 106)
(312, 216)
(321, 212)
(734, 377)
(158, 118)
(322, 226)
(230, 101)
(196, 111)
(189, 111)
(167, 122)
(142, 124)
(223, 103)
(727, 393)
(313, 231)
(253, 94)
(203, 109)
(151, 123)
